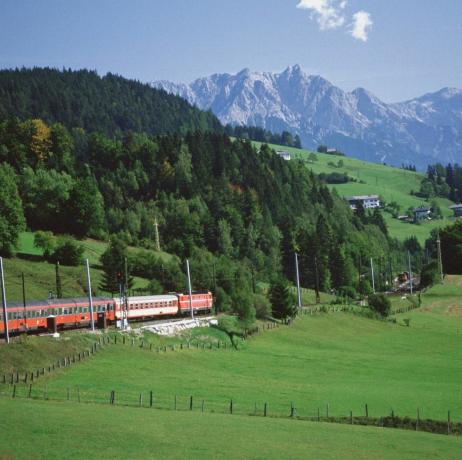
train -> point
(55, 314)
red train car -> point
(54, 314)
(201, 302)
(57, 314)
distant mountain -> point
(419, 131)
(106, 104)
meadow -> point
(48, 429)
(331, 362)
(336, 361)
(392, 184)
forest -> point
(238, 213)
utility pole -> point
(5, 313)
(318, 297)
(24, 300)
(410, 269)
(440, 259)
(190, 290)
(59, 289)
(299, 296)
(156, 232)
(126, 310)
(372, 276)
(90, 298)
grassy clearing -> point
(40, 279)
(36, 429)
(338, 359)
(393, 184)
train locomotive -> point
(54, 314)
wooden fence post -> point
(231, 406)
(351, 417)
(151, 400)
(367, 411)
(30, 391)
(190, 403)
(265, 410)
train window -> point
(65, 311)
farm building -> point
(283, 154)
(457, 210)
(421, 213)
(367, 201)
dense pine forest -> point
(238, 213)
(109, 104)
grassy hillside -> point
(46, 429)
(338, 359)
(392, 184)
(40, 279)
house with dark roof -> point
(456, 209)
(421, 213)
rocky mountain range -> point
(418, 132)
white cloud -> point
(328, 13)
(362, 23)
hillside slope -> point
(83, 99)
(390, 183)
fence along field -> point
(336, 362)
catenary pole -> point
(5, 313)
(299, 296)
(372, 276)
(90, 297)
(190, 290)
(440, 260)
(410, 270)
(126, 309)
(24, 300)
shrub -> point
(67, 252)
(262, 306)
(380, 303)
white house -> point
(368, 201)
(283, 154)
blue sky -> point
(411, 47)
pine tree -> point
(113, 263)
(282, 302)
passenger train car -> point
(57, 314)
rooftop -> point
(362, 197)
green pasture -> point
(336, 362)
(51, 430)
(392, 184)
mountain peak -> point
(356, 122)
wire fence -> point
(150, 399)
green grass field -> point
(40, 279)
(338, 359)
(53, 430)
(393, 184)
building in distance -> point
(283, 154)
(421, 213)
(367, 201)
(456, 209)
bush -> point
(262, 306)
(429, 274)
(67, 252)
(222, 300)
(348, 291)
(380, 303)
